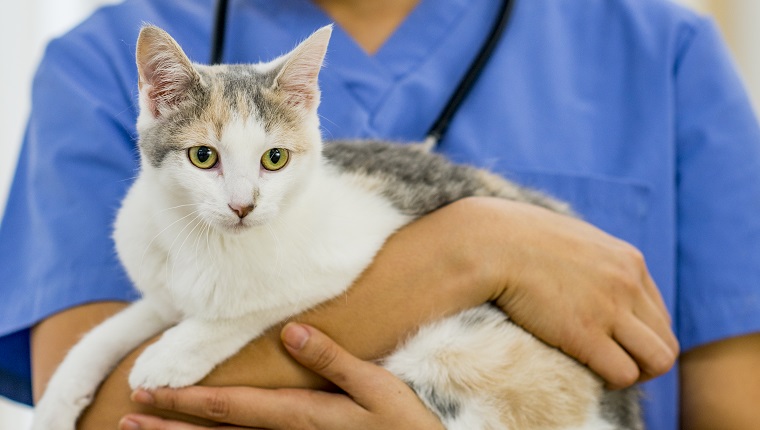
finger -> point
(146, 422)
(365, 382)
(243, 406)
(647, 347)
(611, 362)
(656, 315)
(654, 293)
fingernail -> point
(142, 396)
(295, 336)
(127, 424)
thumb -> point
(317, 352)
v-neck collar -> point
(369, 76)
(415, 68)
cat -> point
(237, 194)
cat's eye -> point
(275, 159)
(203, 157)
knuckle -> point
(304, 420)
(634, 259)
(167, 399)
(624, 281)
(324, 357)
(216, 405)
(634, 255)
(628, 275)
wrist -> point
(482, 257)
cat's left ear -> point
(297, 79)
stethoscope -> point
(437, 131)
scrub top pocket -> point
(618, 206)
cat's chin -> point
(237, 228)
(240, 226)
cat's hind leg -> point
(75, 382)
(477, 370)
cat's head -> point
(232, 143)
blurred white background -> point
(25, 26)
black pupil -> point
(204, 153)
(274, 155)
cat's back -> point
(418, 182)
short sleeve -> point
(76, 162)
(718, 183)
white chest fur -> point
(310, 253)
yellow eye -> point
(275, 159)
(203, 157)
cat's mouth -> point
(239, 225)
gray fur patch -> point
(417, 182)
(622, 409)
(474, 318)
(248, 90)
(445, 407)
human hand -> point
(374, 399)
(581, 290)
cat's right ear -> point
(297, 79)
(165, 72)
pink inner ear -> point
(165, 71)
(301, 93)
(298, 78)
(167, 83)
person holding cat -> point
(607, 106)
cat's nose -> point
(240, 210)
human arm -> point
(373, 399)
(719, 276)
(569, 304)
(720, 385)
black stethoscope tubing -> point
(441, 124)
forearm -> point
(563, 280)
(419, 275)
(720, 385)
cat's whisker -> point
(208, 246)
(176, 237)
(201, 233)
(323, 119)
(175, 207)
(277, 244)
(130, 179)
(148, 247)
(197, 220)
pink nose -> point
(240, 210)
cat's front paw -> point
(165, 367)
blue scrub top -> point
(630, 110)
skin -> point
(720, 385)
(485, 238)
(373, 399)
(369, 23)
